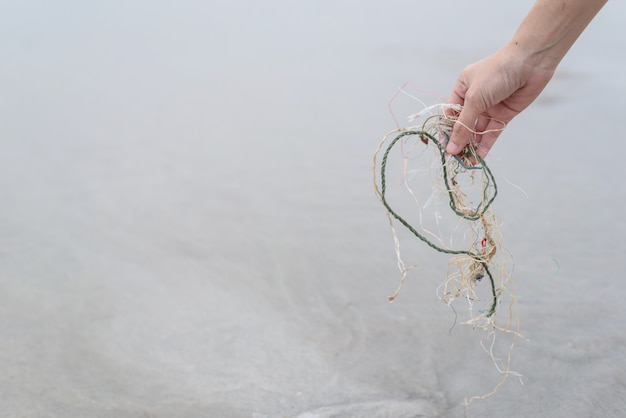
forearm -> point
(495, 89)
(551, 28)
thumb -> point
(461, 133)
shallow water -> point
(189, 227)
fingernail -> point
(453, 148)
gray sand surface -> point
(188, 226)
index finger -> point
(462, 130)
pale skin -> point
(497, 88)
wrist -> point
(533, 53)
(550, 29)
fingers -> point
(474, 123)
(466, 121)
(492, 131)
(463, 130)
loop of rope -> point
(469, 215)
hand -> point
(492, 92)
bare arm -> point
(500, 86)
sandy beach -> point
(188, 225)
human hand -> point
(492, 92)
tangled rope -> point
(467, 213)
(470, 189)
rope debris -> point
(466, 186)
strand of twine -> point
(469, 215)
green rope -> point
(475, 215)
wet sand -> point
(189, 228)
